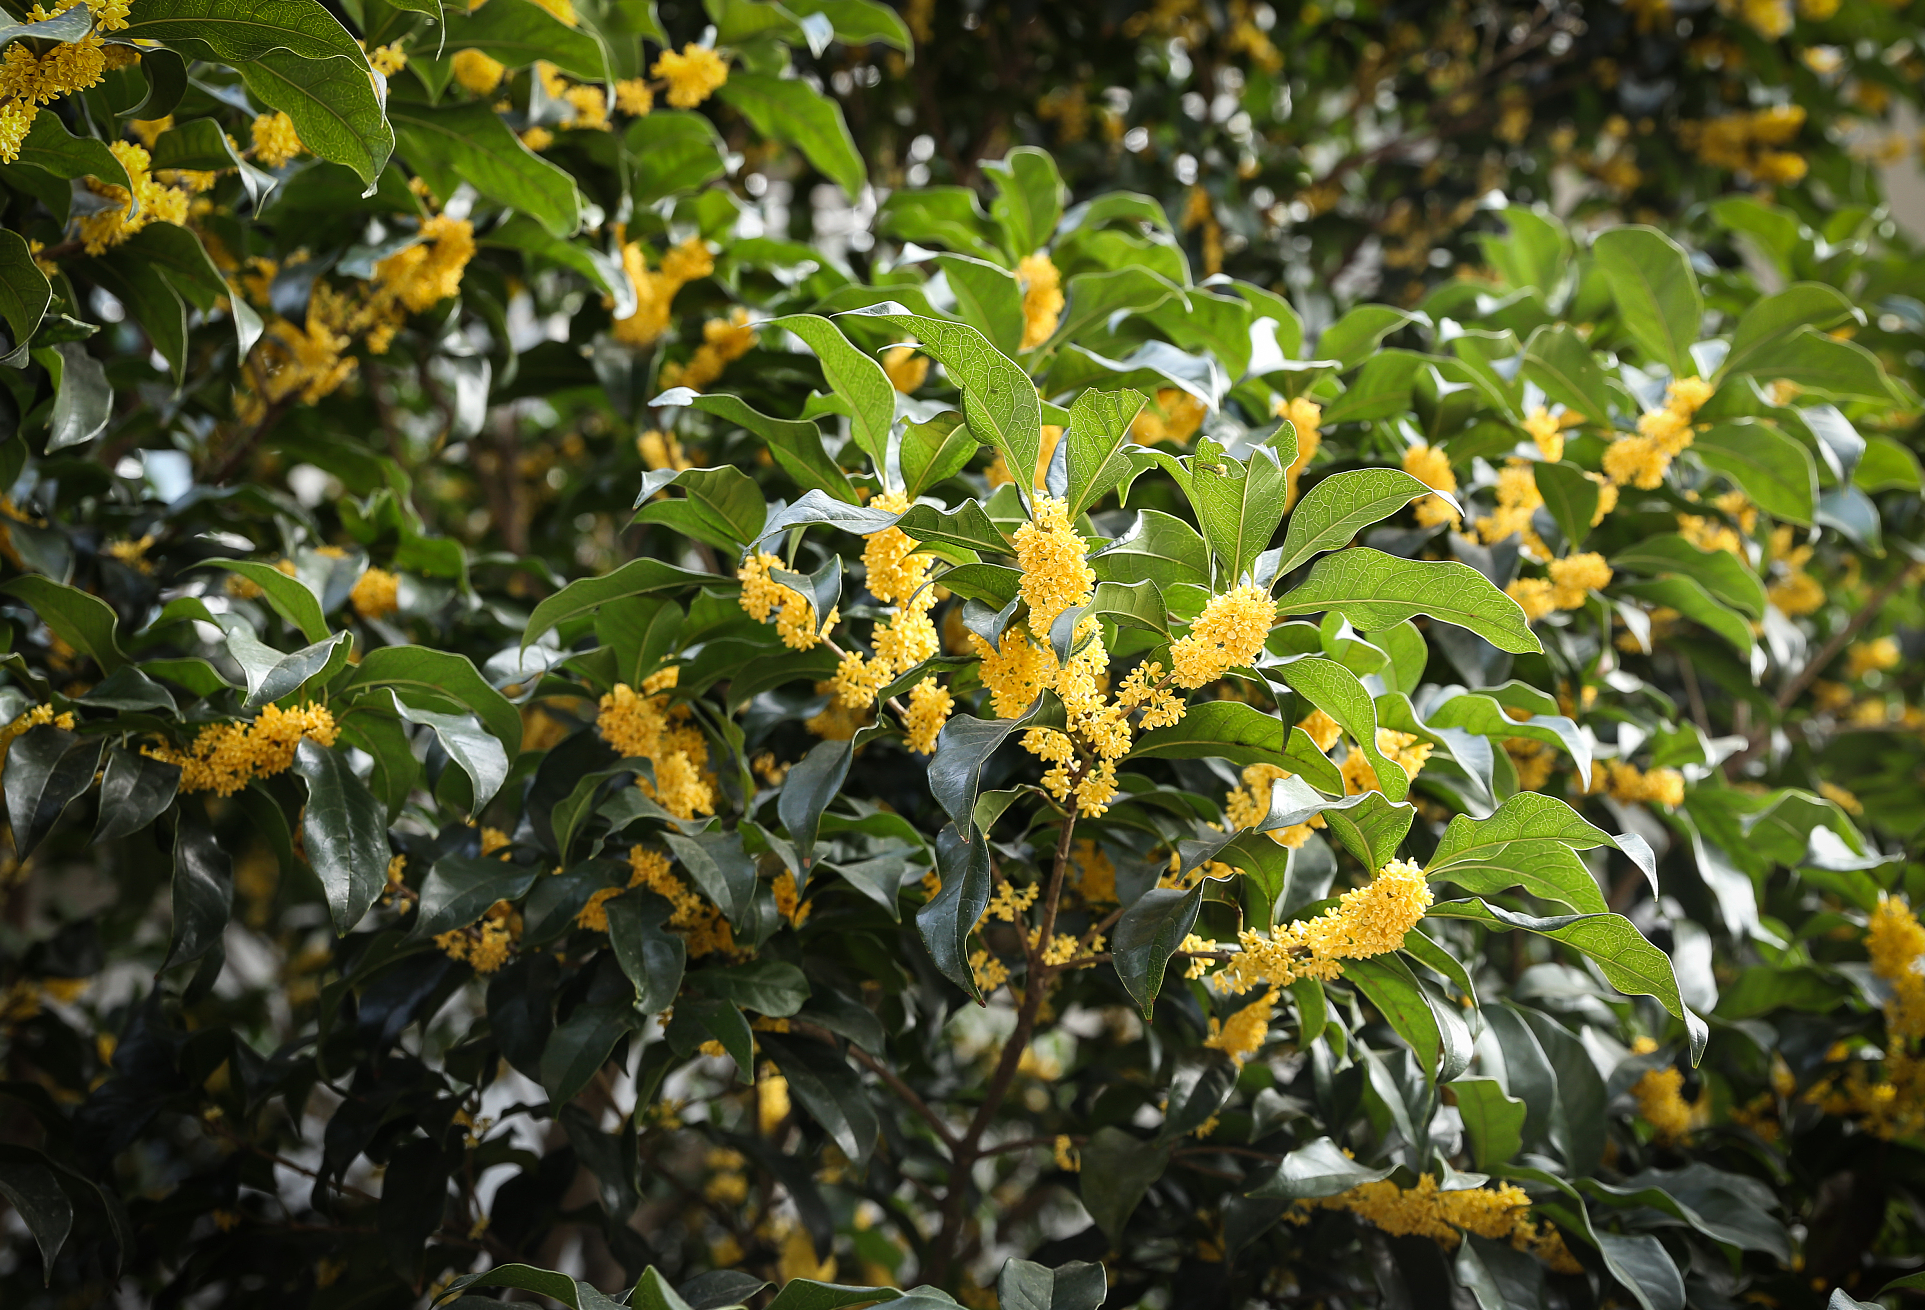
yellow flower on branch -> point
(692, 76)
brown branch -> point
(907, 1093)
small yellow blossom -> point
(692, 76)
(1230, 631)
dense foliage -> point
(594, 706)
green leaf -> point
(1570, 497)
(1133, 605)
(672, 152)
(1099, 428)
(1336, 691)
(288, 597)
(1630, 963)
(852, 375)
(1374, 590)
(1026, 1285)
(1886, 466)
(459, 889)
(772, 987)
(639, 577)
(50, 148)
(1557, 359)
(579, 1047)
(67, 27)
(85, 402)
(1720, 572)
(1656, 291)
(807, 790)
(518, 32)
(722, 506)
(934, 452)
(1497, 1275)
(1776, 471)
(441, 680)
(29, 1184)
(807, 1294)
(331, 101)
(1150, 931)
(1689, 598)
(1370, 826)
(1238, 506)
(720, 867)
(1216, 729)
(1118, 1169)
(467, 142)
(999, 401)
(1029, 198)
(47, 768)
(963, 747)
(82, 620)
(968, 526)
(346, 834)
(24, 290)
(135, 790)
(1341, 506)
(1824, 365)
(1158, 548)
(946, 922)
(1774, 317)
(829, 1090)
(1095, 298)
(1380, 390)
(859, 22)
(1354, 338)
(1387, 982)
(1493, 1121)
(790, 111)
(1317, 1169)
(987, 298)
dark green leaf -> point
(1149, 932)
(31, 1186)
(1025, 1285)
(790, 111)
(1656, 292)
(1374, 590)
(346, 834)
(1317, 1169)
(47, 768)
(1118, 1169)
(203, 893)
(1342, 505)
(455, 143)
(946, 922)
(459, 889)
(135, 790)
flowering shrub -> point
(560, 741)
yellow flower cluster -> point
(1895, 943)
(898, 576)
(1230, 631)
(655, 290)
(1173, 415)
(1431, 466)
(1661, 1104)
(424, 274)
(487, 945)
(1410, 754)
(1571, 582)
(692, 76)
(1770, 19)
(1794, 591)
(114, 224)
(1517, 500)
(700, 923)
(275, 140)
(1092, 873)
(1708, 533)
(1876, 655)
(642, 725)
(907, 369)
(1242, 1035)
(34, 717)
(376, 594)
(724, 340)
(1050, 554)
(1366, 921)
(1893, 1105)
(1305, 416)
(1745, 142)
(795, 616)
(929, 709)
(225, 757)
(1547, 432)
(1627, 784)
(1042, 298)
(28, 80)
(477, 72)
(1501, 1213)
(1663, 434)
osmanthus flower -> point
(486, 945)
(655, 290)
(1574, 577)
(1500, 1212)
(225, 757)
(1661, 1103)
(1366, 921)
(1431, 466)
(1663, 434)
(643, 725)
(1517, 500)
(692, 76)
(1403, 748)
(376, 594)
(794, 613)
(122, 216)
(1056, 576)
(1042, 298)
(1305, 416)
(1627, 783)
(1230, 631)
(1173, 415)
(1242, 1034)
